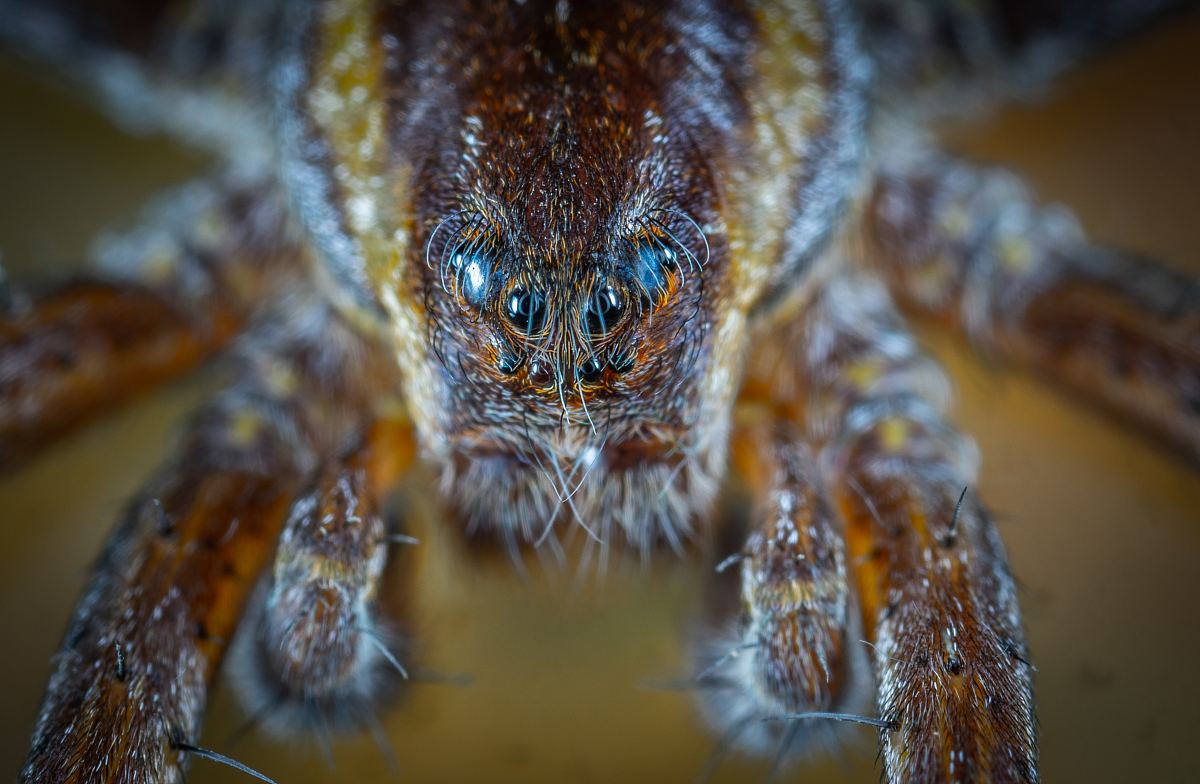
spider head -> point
(571, 286)
(549, 230)
(557, 275)
(570, 265)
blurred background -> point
(1102, 528)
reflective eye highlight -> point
(604, 310)
(621, 362)
(472, 276)
(509, 363)
(656, 269)
(591, 370)
(525, 310)
(540, 372)
(651, 267)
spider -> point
(573, 280)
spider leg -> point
(786, 652)
(969, 246)
(942, 60)
(130, 681)
(165, 295)
(938, 603)
(318, 655)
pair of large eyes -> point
(525, 310)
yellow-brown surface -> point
(1103, 529)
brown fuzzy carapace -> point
(573, 257)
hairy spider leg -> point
(938, 603)
(969, 246)
(788, 651)
(161, 298)
(317, 655)
(130, 681)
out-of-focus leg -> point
(167, 294)
(130, 681)
(318, 656)
(969, 246)
(942, 59)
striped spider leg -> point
(937, 604)
(785, 653)
(131, 680)
(315, 655)
(967, 245)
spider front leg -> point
(130, 682)
(938, 605)
(938, 602)
(969, 246)
(787, 657)
(317, 656)
(161, 298)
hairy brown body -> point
(567, 253)
(612, 131)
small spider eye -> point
(604, 310)
(591, 370)
(540, 372)
(509, 364)
(525, 310)
(472, 276)
(621, 362)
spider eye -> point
(591, 370)
(652, 266)
(621, 362)
(525, 310)
(509, 363)
(604, 310)
(472, 276)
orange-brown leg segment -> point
(938, 604)
(131, 678)
(793, 570)
(785, 652)
(170, 293)
(969, 246)
(319, 657)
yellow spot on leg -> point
(245, 427)
(893, 434)
(1016, 254)
(864, 374)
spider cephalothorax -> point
(564, 219)
(571, 298)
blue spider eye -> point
(472, 276)
(651, 266)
